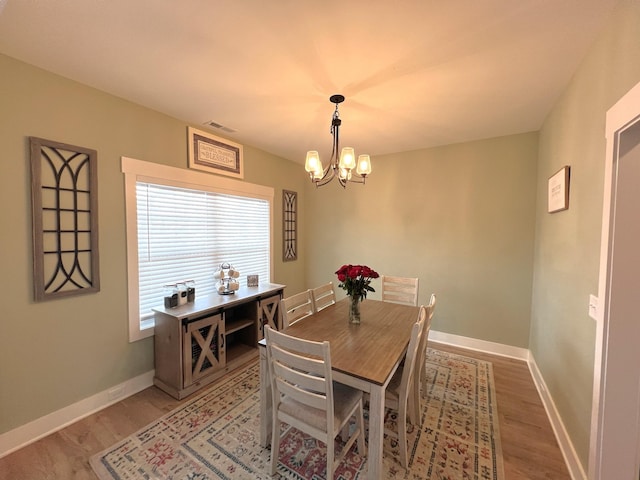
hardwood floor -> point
(529, 446)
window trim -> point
(139, 170)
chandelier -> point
(345, 167)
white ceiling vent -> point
(217, 126)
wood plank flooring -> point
(529, 446)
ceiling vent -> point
(217, 126)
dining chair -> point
(400, 387)
(420, 377)
(296, 307)
(323, 296)
(305, 396)
(400, 290)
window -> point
(181, 225)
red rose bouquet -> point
(356, 280)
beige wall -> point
(475, 252)
(459, 217)
(567, 247)
(55, 353)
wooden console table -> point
(199, 342)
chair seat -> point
(344, 398)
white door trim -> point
(606, 383)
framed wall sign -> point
(558, 190)
(214, 154)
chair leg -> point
(412, 408)
(402, 436)
(362, 447)
(330, 456)
(275, 445)
(415, 416)
(423, 382)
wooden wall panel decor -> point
(289, 226)
(64, 202)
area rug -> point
(216, 435)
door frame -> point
(607, 383)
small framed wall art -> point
(214, 154)
(558, 190)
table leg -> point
(265, 400)
(376, 431)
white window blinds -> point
(185, 234)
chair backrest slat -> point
(323, 296)
(400, 289)
(296, 307)
(303, 396)
(300, 369)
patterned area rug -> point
(216, 435)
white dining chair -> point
(296, 307)
(323, 296)
(420, 376)
(402, 290)
(400, 387)
(305, 396)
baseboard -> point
(576, 470)
(37, 429)
(43, 426)
(479, 345)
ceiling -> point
(415, 73)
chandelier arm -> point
(355, 178)
(325, 179)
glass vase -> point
(354, 310)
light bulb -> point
(364, 165)
(344, 174)
(313, 164)
(347, 158)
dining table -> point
(364, 356)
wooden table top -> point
(369, 350)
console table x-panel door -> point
(270, 313)
(204, 348)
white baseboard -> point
(479, 345)
(571, 459)
(43, 426)
(37, 429)
(576, 470)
